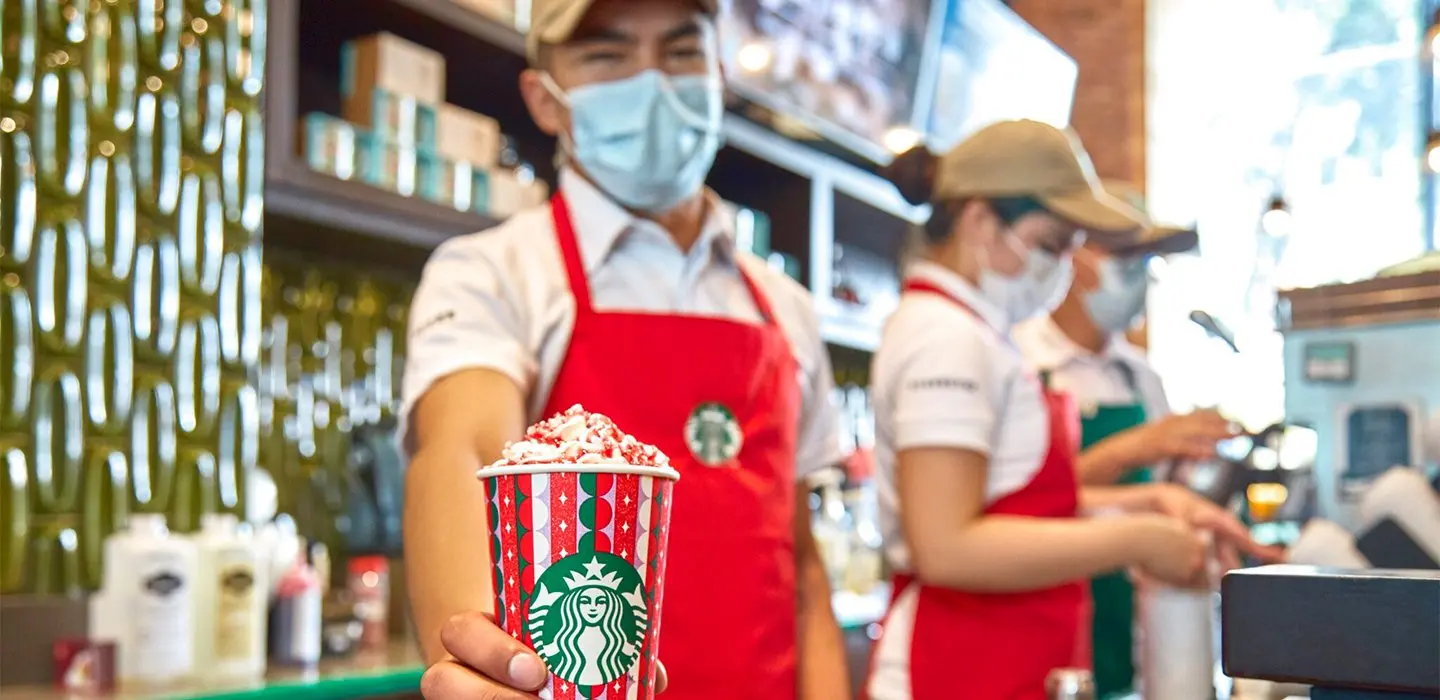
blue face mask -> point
(649, 140)
(1120, 298)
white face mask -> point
(1120, 299)
(648, 140)
(1039, 288)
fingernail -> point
(527, 671)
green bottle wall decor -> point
(152, 352)
(131, 185)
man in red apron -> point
(625, 294)
(1126, 427)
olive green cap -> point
(553, 21)
(1153, 238)
(1026, 158)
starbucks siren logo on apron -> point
(713, 435)
(589, 618)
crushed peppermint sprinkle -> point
(580, 437)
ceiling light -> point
(901, 139)
(1276, 221)
(755, 57)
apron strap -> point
(926, 287)
(570, 252)
(762, 302)
(1127, 374)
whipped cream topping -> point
(580, 437)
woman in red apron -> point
(976, 471)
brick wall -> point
(1107, 39)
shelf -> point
(847, 332)
(313, 213)
(469, 21)
(739, 132)
(296, 193)
(316, 213)
(393, 671)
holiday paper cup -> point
(579, 552)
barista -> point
(626, 294)
(1126, 424)
(980, 508)
(1080, 348)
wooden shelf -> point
(314, 213)
(847, 332)
(469, 21)
(299, 194)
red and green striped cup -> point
(579, 552)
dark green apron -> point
(1113, 626)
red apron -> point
(980, 646)
(729, 628)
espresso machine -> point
(1266, 477)
(1355, 615)
(1362, 366)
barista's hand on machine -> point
(1230, 536)
(485, 663)
(1184, 437)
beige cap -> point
(553, 21)
(1153, 238)
(1027, 158)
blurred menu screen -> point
(853, 70)
(1378, 439)
(994, 66)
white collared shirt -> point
(1117, 375)
(944, 378)
(500, 300)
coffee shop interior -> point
(214, 213)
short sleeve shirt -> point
(500, 300)
(1117, 375)
(944, 377)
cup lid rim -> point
(488, 472)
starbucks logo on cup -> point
(589, 618)
(713, 435)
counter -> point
(393, 672)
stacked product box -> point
(752, 231)
(399, 134)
